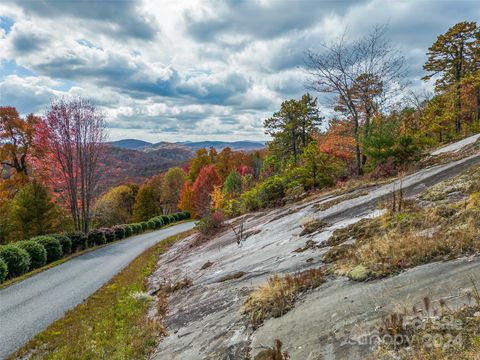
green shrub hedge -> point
(79, 240)
(119, 231)
(109, 234)
(65, 242)
(3, 270)
(17, 260)
(128, 230)
(52, 245)
(20, 257)
(36, 251)
(96, 237)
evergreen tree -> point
(453, 56)
(292, 127)
(233, 184)
(33, 212)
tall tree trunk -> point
(458, 104)
(477, 93)
(357, 148)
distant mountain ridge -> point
(132, 160)
(134, 144)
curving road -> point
(29, 306)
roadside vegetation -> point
(19, 258)
(111, 324)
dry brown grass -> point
(445, 224)
(277, 296)
(434, 333)
(178, 285)
(273, 353)
(411, 239)
(312, 225)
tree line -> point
(51, 164)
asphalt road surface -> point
(29, 306)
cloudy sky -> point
(192, 70)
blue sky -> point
(193, 70)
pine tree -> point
(453, 56)
(292, 127)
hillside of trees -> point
(57, 177)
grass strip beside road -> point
(74, 255)
(112, 323)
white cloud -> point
(193, 69)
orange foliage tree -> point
(202, 189)
(185, 202)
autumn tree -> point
(145, 205)
(225, 162)
(202, 189)
(16, 144)
(202, 158)
(452, 57)
(341, 68)
(292, 126)
(185, 201)
(115, 206)
(73, 133)
(171, 187)
(338, 140)
(147, 201)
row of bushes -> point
(23, 256)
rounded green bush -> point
(151, 224)
(109, 234)
(96, 237)
(165, 219)
(119, 232)
(139, 228)
(37, 252)
(187, 214)
(158, 222)
(79, 240)
(65, 242)
(144, 225)
(52, 245)
(3, 271)
(17, 260)
(128, 230)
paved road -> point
(29, 306)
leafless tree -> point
(76, 131)
(341, 68)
